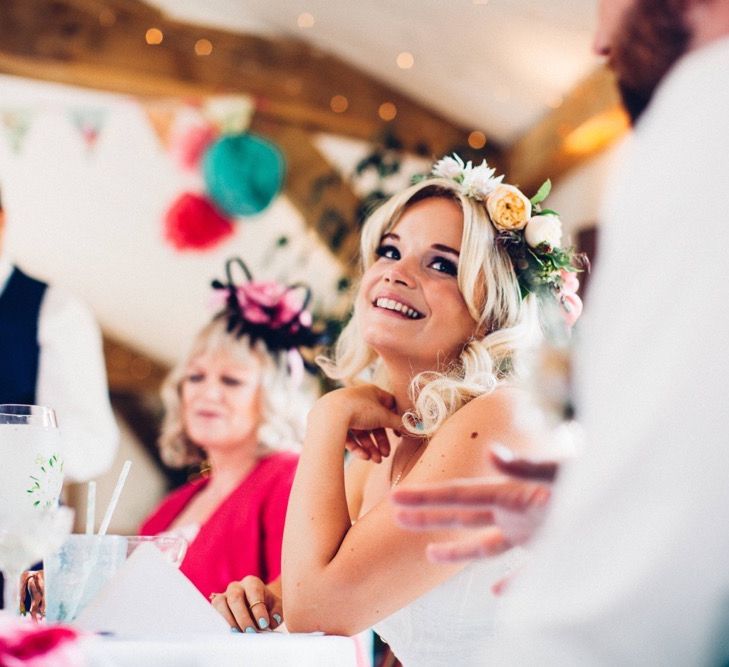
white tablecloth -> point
(243, 650)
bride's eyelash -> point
(449, 267)
(387, 251)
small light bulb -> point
(154, 36)
(339, 104)
(387, 111)
(477, 139)
(405, 60)
(203, 47)
(305, 20)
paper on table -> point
(149, 597)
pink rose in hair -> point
(570, 303)
(570, 282)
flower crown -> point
(532, 235)
(267, 311)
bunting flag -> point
(88, 121)
(16, 123)
(231, 113)
(161, 117)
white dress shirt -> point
(632, 566)
(72, 380)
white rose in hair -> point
(544, 229)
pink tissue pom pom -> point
(190, 146)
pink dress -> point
(243, 536)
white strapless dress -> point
(452, 624)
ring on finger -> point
(253, 604)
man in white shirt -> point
(51, 354)
(632, 563)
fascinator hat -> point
(267, 311)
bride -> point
(444, 310)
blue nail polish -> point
(234, 630)
(262, 623)
(277, 618)
(250, 628)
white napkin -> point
(150, 598)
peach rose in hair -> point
(508, 208)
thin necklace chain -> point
(399, 475)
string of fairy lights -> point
(387, 111)
(596, 132)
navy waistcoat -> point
(20, 305)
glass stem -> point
(11, 591)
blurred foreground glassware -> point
(26, 537)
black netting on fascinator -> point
(270, 312)
(266, 310)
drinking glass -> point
(76, 573)
(31, 474)
(173, 547)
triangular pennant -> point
(88, 121)
(231, 113)
(16, 123)
(161, 118)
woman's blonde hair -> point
(506, 323)
(283, 405)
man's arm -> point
(72, 380)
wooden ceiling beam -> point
(590, 119)
(130, 371)
(101, 44)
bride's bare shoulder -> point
(501, 416)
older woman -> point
(233, 404)
(454, 268)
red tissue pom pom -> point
(192, 222)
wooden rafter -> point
(101, 44)
(129, 370)
(589, 120)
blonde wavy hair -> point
(507, 324)
(283, 406)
